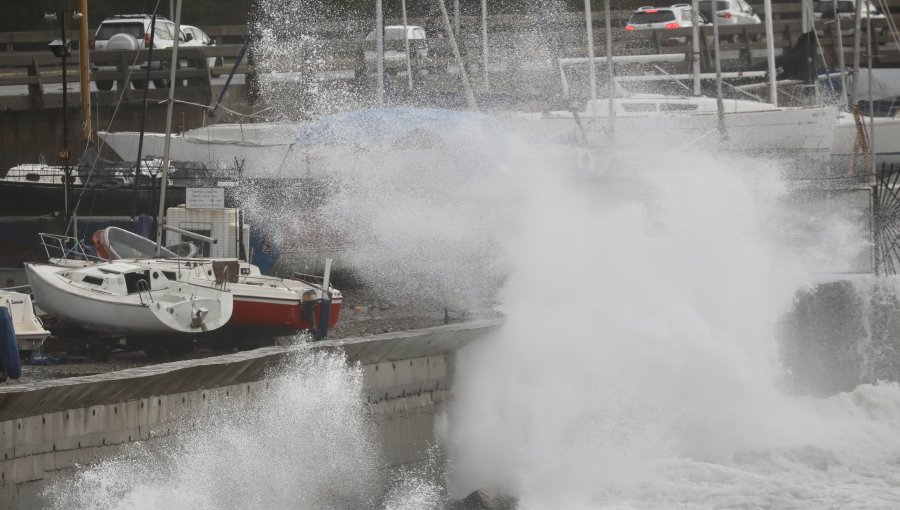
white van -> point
(395, 48)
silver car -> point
(132, 32)
(193, 36)
(731, 12)
(672, 17)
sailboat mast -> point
(137, 164)
(165, 167)
(406, 46)
(770, 53)
(869, 98)
(451, 35)
(840, 54)
(720, 105)
(484, 46)
(592, 68)
(695, 45)
(611, 83)
(379, 52)
(856, 48)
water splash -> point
(638, 366)
(307, 442)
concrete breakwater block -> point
(49, 427)
(841, 334)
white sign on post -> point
(205, 198)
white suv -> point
(132, 32)
(676, 16)
(731, 12)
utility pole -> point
(62, 50)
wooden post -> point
(122, 80)
(36, 89)
(84, 71)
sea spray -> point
(307, 441)
(638, 366)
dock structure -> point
(49, 427)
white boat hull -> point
(260, 148)
(30, 333)
(886, 141)
(158, 312)
(798, 132)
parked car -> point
(395, 48)
(846, 10)
(731, 12)
(193, 36)
(132, 32)
(675, 16)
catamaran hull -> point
(141, 314)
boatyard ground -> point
(363, 313)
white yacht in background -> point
(885, 140)
(257, 148)
(752, 127)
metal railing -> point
(67, 248)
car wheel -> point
(162, 83)
(139, 84)
(219, 63)
(104, 85)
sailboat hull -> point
(799, 132)
(885, 142)
(30, 333)
(277, 314)
(169, 311)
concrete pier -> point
(49, 427)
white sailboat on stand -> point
(125, 298)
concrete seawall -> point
(48, 428)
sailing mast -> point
(611, 83)
(856, 47)
(484, 46)
(592, 69)
(379, 52)
(840, 56)
(406, 46)
(770, 53)
(165, 168)
(137, 164)
(695, 45)
(720, 105)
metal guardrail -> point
(782, 10)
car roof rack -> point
(646, 8)
(681, 5)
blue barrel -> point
(9, 348)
